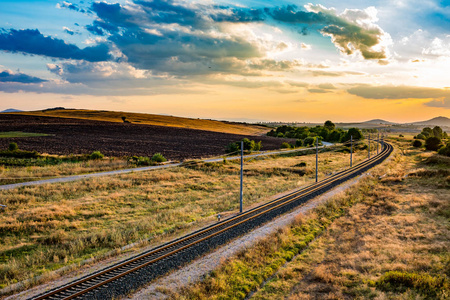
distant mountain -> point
(378, 121)
(439, 121)
(10, 110)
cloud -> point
(69, 31)
(397, 92)
(70, 6)
(31, 41)
(319, 91)
(351, 31)
(442, 102)
(9, 76)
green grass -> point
(19, 134)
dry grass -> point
(402, 225)
(150, 119)
(391, 244)
(50, 226)
(30, 173)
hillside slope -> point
(151, 119)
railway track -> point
(126, 276)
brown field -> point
(77, 136)
(150, 119)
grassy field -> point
(386, 238)
(40, 168)
(50, 226)
(13, 134)
(150, 119)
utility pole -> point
(317, 155)
(378, 142)
(369, 146)
(351, 150)
(242, 177)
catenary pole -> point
(369, 147)
(317, 156)
(242, 177)
(351, 151)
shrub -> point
(432, 143)
(285, 145)
(158, 157)
(298, 143)
(232, 147)
(417, 143)
(19, 154)
(280, 134)
(423, 283)
(301, 165)
(141, 160)
(401, 135)
(421, 136)
(308, 141)
(13, 147)
(96, 155)
(445, 150)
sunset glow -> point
(237, 60)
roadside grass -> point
(150, 119)
(49, 226)
(389, 240)
(14, 134)
(14, 170)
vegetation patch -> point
(20, 134)
(432, 287)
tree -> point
(427, 132)
(432, 143)
(329, 125)
(352, 132)
(437, 132)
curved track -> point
(122, 278)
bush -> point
(417, 143)
(96, 155)
(401, 135)
(432, 143)
(298, 143)
(249, 145)
(158, 157)
(421, 136)
(285, 145)
(232, 147)
(445, 150)
(301, 165)
(395, 281)
(19, 154)
(280, 134)
(13, 147)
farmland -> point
(78, 136)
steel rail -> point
(203, 234)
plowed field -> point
(119, 139)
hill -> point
(10, 110)
(151, 119)
(379, 121)
(439, 121)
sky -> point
(295, 61)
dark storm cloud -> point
(8, 76)
(31, 41)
